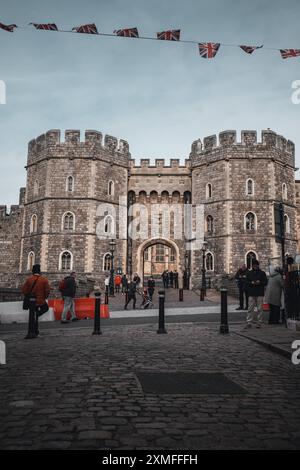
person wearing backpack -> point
(68, 291)
(36, 286)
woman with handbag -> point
(36, 286)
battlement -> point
(5, 214)
(52, 138)
(160, 163)
(269, 139)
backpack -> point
(62, 285)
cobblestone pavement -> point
(71, 390)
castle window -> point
(208, 191)
(36, 188)
(287, 226)
(142, 196)
(250, 257)
(284, 192)
(209, 224)
(109, 226)
(66, 261)
(209, 261)
(107, 262)
(250, 222)
(30, 261)
(70, 184)
(160, 253)
(165, 197)
(249, 187)
(111, 188)
(187, 196)
(153, 196)
(68, 221)
(147, 254)
(172, 255)
(176, 196)
(33, 224)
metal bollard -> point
(224, 312)
(181, 295)
(161, 318)
(202, 294)
(97, 330)
(32, 329)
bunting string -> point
(207, 50)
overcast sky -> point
(158, 95)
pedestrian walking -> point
(118, 281)
(124, 284)
(165, 278)
(273, 295)
(176, 279)
(136, 279)
(37, 286)
(256, 282)
(151, 287)
(241, 278)
(68, 291)
(132, 288)
(171, 278)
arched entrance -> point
(155, 256)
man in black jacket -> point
(131, 294)
(151, 287)
(241, 277)
(256, 283)
(68, 292)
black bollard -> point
(224, 312)
(32, 328)
(180, 295)
(161, 318)
(97, 330)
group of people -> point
(255, 288)
(170, 279)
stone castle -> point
(237, 182)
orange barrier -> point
(266, 307)
(50, 303)
(84, 308)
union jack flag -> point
(250, 49)
(86, 28)
(127, 33)
(8, 27)
(171, 35)
(208, 50)
(46, 26)
(287, 53)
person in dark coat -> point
(273, 295)
(68, 293)
(165, 278)
(124, 284)
(132, 288)
(171, 277)
(256, 283)
(176, 279)
(240, 277)
(151, 287)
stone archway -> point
(156, 241)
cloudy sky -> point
(160, 96)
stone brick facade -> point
(73, 186)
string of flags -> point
(207, 50)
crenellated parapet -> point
(271, 145)
(51, 144)
(160, 164)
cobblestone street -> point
(71, 390)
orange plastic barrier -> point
(266, 307)
(84, 308)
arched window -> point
(165, 197)
(70, 184)
(33, 224)
(66, 261)
(36, 188)
(107, 262)
(250, 257)
(111, 188)
(287, 226)
(176, 196)
(284, 192)
(209, 261)
(187, 197)
(172, 255)
(208, 190)
(30, 261)
(209, 224)
(249, 187)
(250, 221)
(68, 221)
(109, 226)
(153, 196)
(142, 197)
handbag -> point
(27, 297)
(41, 309)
